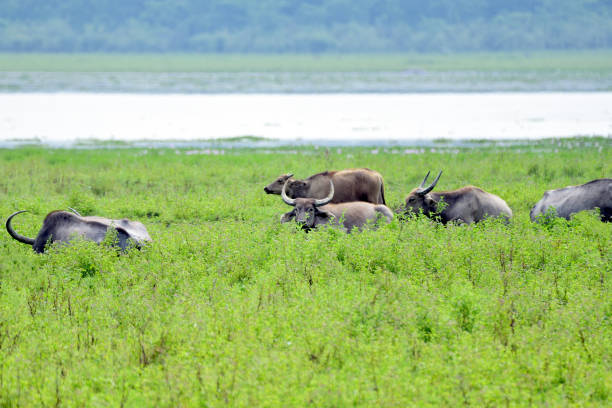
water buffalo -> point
(310, 212)
(468, 204)
(350, 185)
(570, 200)
(62, 226)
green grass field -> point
(229, 307)
(548, 61)
(562, 71)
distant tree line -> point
(303, 25)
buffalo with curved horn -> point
(63, 226)
(311, 212)
(350, 185)
(468, 204)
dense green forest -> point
(303, 25)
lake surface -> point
(406, 81)
(68, 117)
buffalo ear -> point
(286, 217)
(124, 239)
(322, 217)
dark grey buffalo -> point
(570, 200)
(62, 226)
(311, 212)
(350, 185)
(468, 204)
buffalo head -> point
(419, 199)
(277, 185)
(306, 211)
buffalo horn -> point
(286, 199)
(14, 234)
(327, 199)
(74, 211)
(423, 191)
(424, 180)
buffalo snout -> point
(267, 190)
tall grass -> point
(229, 307)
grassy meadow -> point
(229, 307)
(594, 61)
(544, 71)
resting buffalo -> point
(350, 185)
(62, 226)
(570, 200)
(468, 204)
(311, 212)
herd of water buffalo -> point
(347, 198)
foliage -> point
(303, 26)
(229, 307)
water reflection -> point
(346, 118)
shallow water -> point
(407, 81)
(67, 117)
